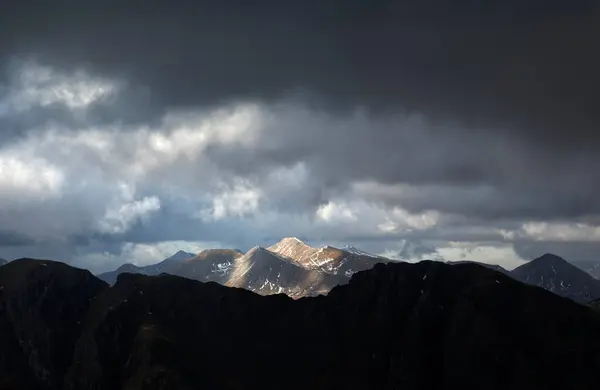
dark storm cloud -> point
(526, 65)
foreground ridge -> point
(411, 326)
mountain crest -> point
(550, 258)
(290, 240)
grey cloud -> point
(484, 175)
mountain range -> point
(396, 326)
(288, 267)
(296, 269)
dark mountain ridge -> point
(495, 267)
(411, 326)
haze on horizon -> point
(415, 131)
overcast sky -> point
(417, 130)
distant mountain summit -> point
(559, 276)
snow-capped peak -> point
(292, 247)
(290, 240)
